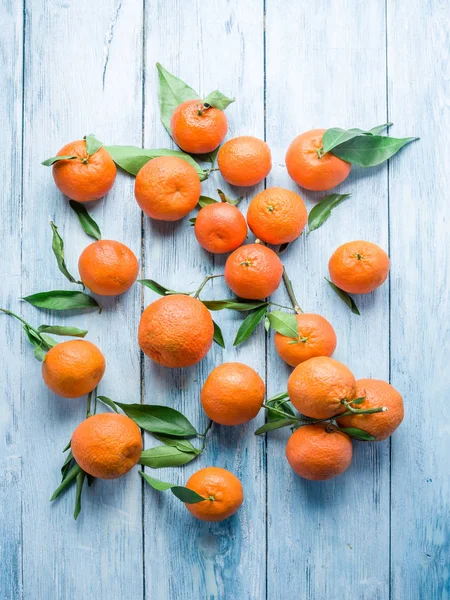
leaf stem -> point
(350, 411)
(291, 293)
(88, 406)
(8, 312)
(204, 282)
(204, 435)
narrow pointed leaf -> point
(249, 325)
(172, 92)
(370, 150)
(67, 482)
(80, 482)
(86, 221)
(336, 135)
(58, 251)
(357, 434)
(133, 158)
(157, 287)
(218, 337)
(180, 444)
(358, 401)
(165, 456)
(271, 425)
(156, 484)
(345, 297)
(234, 304)
(186, 495)
(159, 419)
(51, 161)
(92, 144)
(379, 128)
(39, 353)
(108, 402)
(284, 323)
(49, 341)
(62, 300)
(321, 211)
(60, 330)
(205, 200)
(66, 465)
(218, 100)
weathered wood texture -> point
(378, 532)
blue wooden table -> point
(380, 531)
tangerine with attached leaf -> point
(167, 188)
(376, 393)
(308, 170)
(73, 368)
(220, 228)
(317, 453)
(318, 387)
(359, 267)
(198, 128)
(107, 445)
(86, 177)
(108, 268)
(222, 491)
(232, 394)
(253, 271)
(244, 160)
(277, 215)
(176, 331)
(316, 337)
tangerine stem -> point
(88, 406)
(204, 282)
(291, 293)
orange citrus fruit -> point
(277, 215)
(84, 178)
(167, 188)
(359, 267)
(232, 394)
(73, 368)
(308, 170)
(317, 454)
(253, 271)
(316, 338)
(376, 393)
(244, 161)
(107, 445)
(198, 128)
(108, 268)
(176, 331)
(220, 228)
(222, 490)
(317, 386)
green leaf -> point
(379, 128)
(108, 402)
(357, 434)
(61, 300)
(186, 495)
(159, 419)
(172, 92)
(280, 401)
(192, 221)
(60, 330)
(165, 456)
(358, 400)
(218, 100)
(49, 341)
(249, 324)
(336, 135)
(234, 304)
(180, 444)
(80, 481)
(205, 200)
(58, 251)
(370, 150)
(68, 445)
(93, 145)
(218, 337)
(132, 158)
(154, 286)
(266, 324)
(210, 157)
(86, 221)
(271, 425)
(32, 337)
(345, 297)
(182, 493)
(322, 210)
(283, 247)
(284, 323)
(51, 161)
(66, 465)
(156, 484)
(67, 482)
(228, 200)
(39, 353)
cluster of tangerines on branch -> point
(177, 330)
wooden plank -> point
(218, 46)
(11, 41)
(420, 339)
(83, 73)
(326, 67)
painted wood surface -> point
(381, 530)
